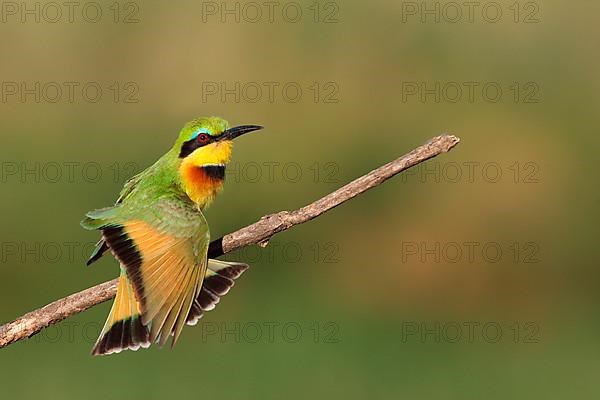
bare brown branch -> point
(258, 233)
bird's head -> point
(209, 141)
(204, 148)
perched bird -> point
(157, 232)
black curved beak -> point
(238, 131)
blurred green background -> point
(369, 300)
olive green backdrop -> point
(473, 276)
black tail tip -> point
(129, 334)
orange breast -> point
(202, 183)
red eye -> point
(203, 138)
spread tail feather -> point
(123, 329)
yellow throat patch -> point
(199, 184)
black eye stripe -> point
(188, 147)
(199, 141)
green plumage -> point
(158, 233)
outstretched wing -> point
(219, 280)
(163, 248)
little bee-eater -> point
(157, 232)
